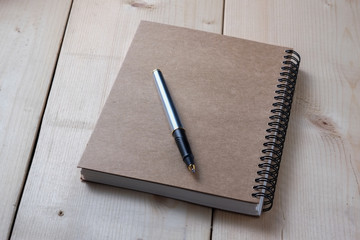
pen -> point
(178, 131)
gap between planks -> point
(39, 125)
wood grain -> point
(55, 203)
(31, 33)
(318, 189)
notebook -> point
(234, 98)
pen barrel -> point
(166, 100)
(178, 131)
(183, 146)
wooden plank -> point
(318, 191)
(31, 33)
(55, 203)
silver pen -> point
(178, 131)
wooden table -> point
(58, 61)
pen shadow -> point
(272, 223)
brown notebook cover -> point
(223, 88)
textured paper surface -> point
(223, 89)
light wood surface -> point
(30, 37)
(318, 190)
(318, 193)
(55, 203)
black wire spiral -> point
(270, 161)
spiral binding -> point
(270, 161)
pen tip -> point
(191, 168)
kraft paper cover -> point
(223, 89)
